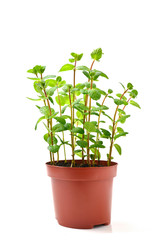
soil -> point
(68, 164)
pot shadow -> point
(117, 227)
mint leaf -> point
(66, 67)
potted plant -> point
(76, 118)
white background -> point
(45, 32)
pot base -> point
(82, 226)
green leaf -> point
(123, 118)
(79, 115)
(34, 79)
(77, 130)
(100, 108)
(120, 135)
(95, 75)
(40, 119)
(46, 127)
(106, 132)
(60, 120)
(51, 83)
(88, 85)
(134, 103)
(80, 106)
(79, 56)
(58, 79)
(77, 150)
(54, 139)
(49, 77)
(118, 148)
(54, 148)
(80, 85)
(90, 127)
(83, 68)
(66, 67)
(130, 86)
(96, 54)
(79, 154)
(102, 92)
(94, 94)
(66, 87)
(74, 54)
(53, 115)
(32, 99)
(63, 100)
(39, 69)
(71, 60)
(82, 144)
(67, 126)
(120, 95)
(107, 115)
(59, 127)
(32, 71)
(133, 93)
(122, 86)
(110, 91)
(64, 109)
(46, 136)
(61, 84)
(118, 101)
(119, 129)
(121, 111)
(46, 112)
(108, 156)
(37, 88)
(84, 91)
(51, 100)
(110, 128)
(97, 145)
(104, 75)
(98, 154)
(86, 74)
(51, 91)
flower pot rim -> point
(91, 167)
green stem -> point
(97, 138)
(74, 84)
(89, 118)
(49, 136)
(60, 110)
(72, 137)
(84, 117)
(50, 121)
(113, 131)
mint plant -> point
(72, 112)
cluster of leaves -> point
(80, 107)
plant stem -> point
(44, 102)
(50, 121)
(60, 110)
(89, 118)
(72, 137)
(84, 117)
(97, 138)
(49, 136)
(114, 130)
(74, 84)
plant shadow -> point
(116, 227)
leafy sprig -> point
(72, 112)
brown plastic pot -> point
(82, 195)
